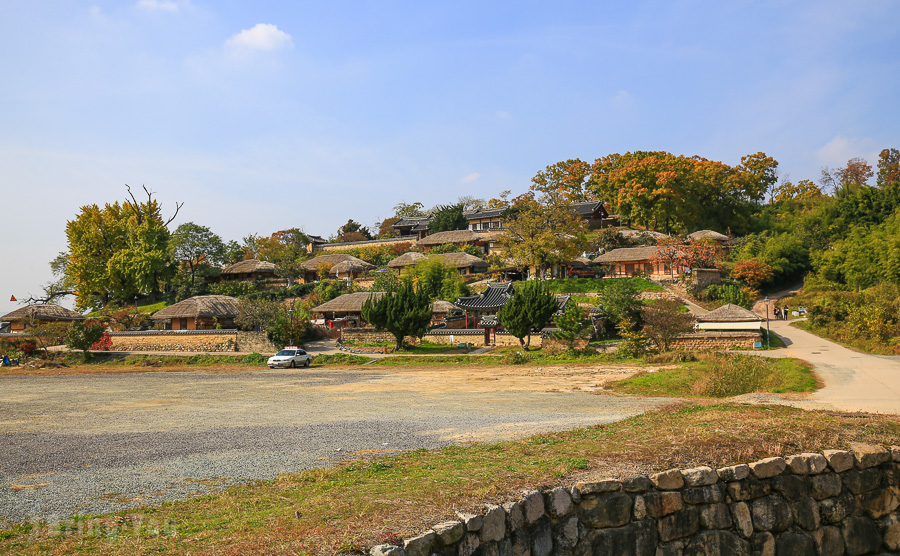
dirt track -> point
(91, 443)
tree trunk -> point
(528, 341)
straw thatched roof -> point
(249, 266)
(707, 234)
(635, 235)
(348, 266)
(441, 307)
(579, 262)
(460, 260)
(41, 312)
(627, 255)
(347, 303)
(730, 313)
(201, 306)
(317, 262)
(452, 236)
(406, 259)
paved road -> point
(97, 443)
(854, 381)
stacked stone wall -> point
(175, 340)
(834, 503)
(255, 342)
(717, 340)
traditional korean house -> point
(463, 262)
(457, 237)
(405, 260)
(248, 270)
(319, 266)
(202, 312)
(729, 317)
(708, 235)
(350, 269)
(487, 219)
(33, 315)
(413, 227)
(347, 306)
(594, 213)
(486, 303)
(635, 261)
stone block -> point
(734, 472)
(715, 516)
(565, 533)
(605, 510)
(493, 524)
(639, 510)
(807, 463)
(421, 545)
(795, 543)
(637, 539)
(806, 513)
(598, 487)
(762, 544)
(717, 542)
(829, 541)
(767, 467)
(541, 538)
(637, 484)
(674, 548)
(699, 476)
(558, 502)
(879, 502)
(386, 550)
(889, 526)
(859, 481)
(839, 460)
(834, 510)
(473, 522)
(860, 536)
(791, 487)
(826, 485)
(711, 494)
(869, 455)
(533, 506)
(668, 480)
(743, 520)
(468, 545)
(659, 504)
(515, 516)
(771, 514)
(519, 543)
(895, 453)
(449, 532)
(747, 489)
(679, 524)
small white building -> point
(729, 317)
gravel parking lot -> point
(93, 443)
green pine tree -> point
(405, 312)
(530, 308)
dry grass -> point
(359, 503)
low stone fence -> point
(175, 340)
(834, 503)
(717, 340)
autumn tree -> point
(353, 231)
(542, 233)
(888, 167)
(753, 272)
(286, 249)
(470, 203)
(409, 210)
(854, 174)
(386, 228)
(82, 335)
(448, 217)
(664, 321)
(803, 191)
(566, 181)
(529, 309)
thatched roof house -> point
(633, 261)
(708, 235)
(323, 263)
(459, 237)
(644, 236)
(347, 305)
(25, 317)
(202, 312)
(729, 317)
(406, 259)
(351, 268)
(441, 307)
(464, 262)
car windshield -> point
(286, 352)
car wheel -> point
(293, 364)
(306, 363)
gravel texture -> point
(92, 443)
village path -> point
(853, 381)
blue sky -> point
(266, 115)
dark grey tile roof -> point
(495, 296)
(486, 213)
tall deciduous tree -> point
(351, 231)
(405, 312)
(529, 309)
(196, 247)
(566, 181)
(888, 167)
(541, 234)
(664, 321)
(287, 249)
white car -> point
(290, 356)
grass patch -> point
(588, 285)
(340, 359)
(135, 360)
(439, 360)
(356, 504)
(722, 376)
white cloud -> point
(262, 36)
(623, 99)
(471, 178)
(158, 5)
(503, 115)
(841, 149)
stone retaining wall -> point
(717, 340)
(255, 342)
(833, 503)
(175, 340)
